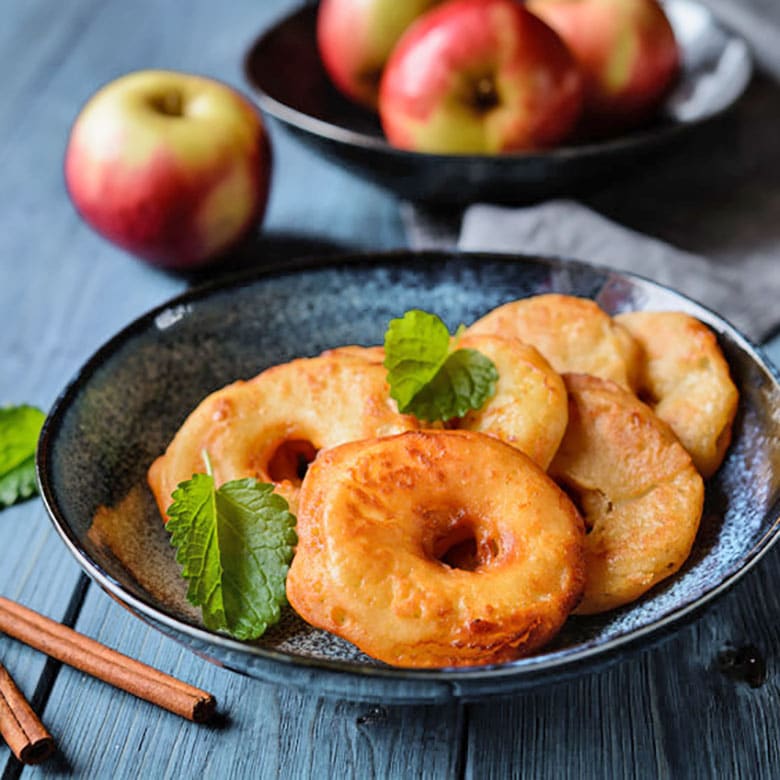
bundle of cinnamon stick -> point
(21, 728)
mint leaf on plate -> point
(235, 545)
(427, 377)
(465, 381)
(20, 427)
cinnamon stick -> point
(21, 729)
(108, 665)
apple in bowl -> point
(172, 167)
(626, 50)
(479, 77)
(355, 38)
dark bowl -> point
(287, 78)
(125, 404)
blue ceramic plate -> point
(125, 404)
(283, 69)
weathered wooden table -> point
(63, 291)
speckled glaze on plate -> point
(125, 404)
(288, 80)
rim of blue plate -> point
(319, 127)
(528, 667)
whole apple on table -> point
(175, 168)
(490, 76)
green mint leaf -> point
(416, 346)
(18, 483)
(465, 381)
(20, 427)
(426, 377)
(235, 545)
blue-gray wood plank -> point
(63, 291)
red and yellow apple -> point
(479, 77)
(355, 38)
(626, 50)
(172, 167)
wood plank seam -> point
(462, 731)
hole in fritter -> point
(458, 548)
(291, 460)
(461, 555)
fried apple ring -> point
(685, 379)
(375, 354)
(272, 426)
(528, 409)
(574, 334)
(435, 548)
(638, 489)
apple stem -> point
(170, 103)
(485, 94)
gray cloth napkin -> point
(758, 22)
(568, 229)
(564, 228)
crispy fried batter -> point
(639, 491)
(529, 409)
(685, 378)
(573, 334)
(374, 354)
(435, 548)
(272, 426)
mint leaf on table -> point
(427, 377)
(20, 427)
(235, 545)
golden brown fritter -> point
(529, 409)
(272, 426)
(573, 334)
(435, 549)
(638, 489)
(375, 354)
(685, 379)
